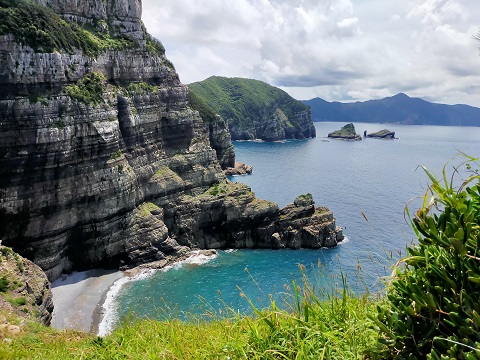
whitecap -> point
(344, 241)
(110, 314)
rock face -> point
(255, 110)
(347, 132)
(221, 142)
(122, 14)
(104, 164)
(382, 134)
(24, 288)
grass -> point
(313, 327)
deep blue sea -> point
(367, 185)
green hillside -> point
(254, 109)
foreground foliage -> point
(334, 328)
(433, 307)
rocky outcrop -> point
(238, 169)
(254, 109)
(382, 134)
(347, 132)
(104, 164)
(24, 288)
(221, 142)
(229, 215)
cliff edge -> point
(102, 161)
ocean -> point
(367, 185)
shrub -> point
(433, 307)
(89, 89)
(139, 88)
(4, 284)
(154, 46)
(20, 301)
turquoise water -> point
(367, 185)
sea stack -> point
(347, 132)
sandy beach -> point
(78, 299)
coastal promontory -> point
(254, 109)
(103, 161)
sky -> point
(338, 50)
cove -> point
(366, 184)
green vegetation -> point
(217, 189)
(346, 130)
(197, 103)
(433, 303)
(19, 301)
(242, 101)
(117, 154)
(43, 30)
(4, 284)
(89, 89)
(147, 208)
(304, 200)
(332, 328)
(139, 88)
(165, 174)
(58, 124)
(154, 46)
(228, 188)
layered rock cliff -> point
(255, 110)
(102, 161)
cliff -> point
(102, 161)
(254, 109)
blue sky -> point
(343, 50)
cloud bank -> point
(340, 50)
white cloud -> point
(335, 49)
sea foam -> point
(109, 307)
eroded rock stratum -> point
(103, 163)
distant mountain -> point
(253, 109)
(400, 109)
